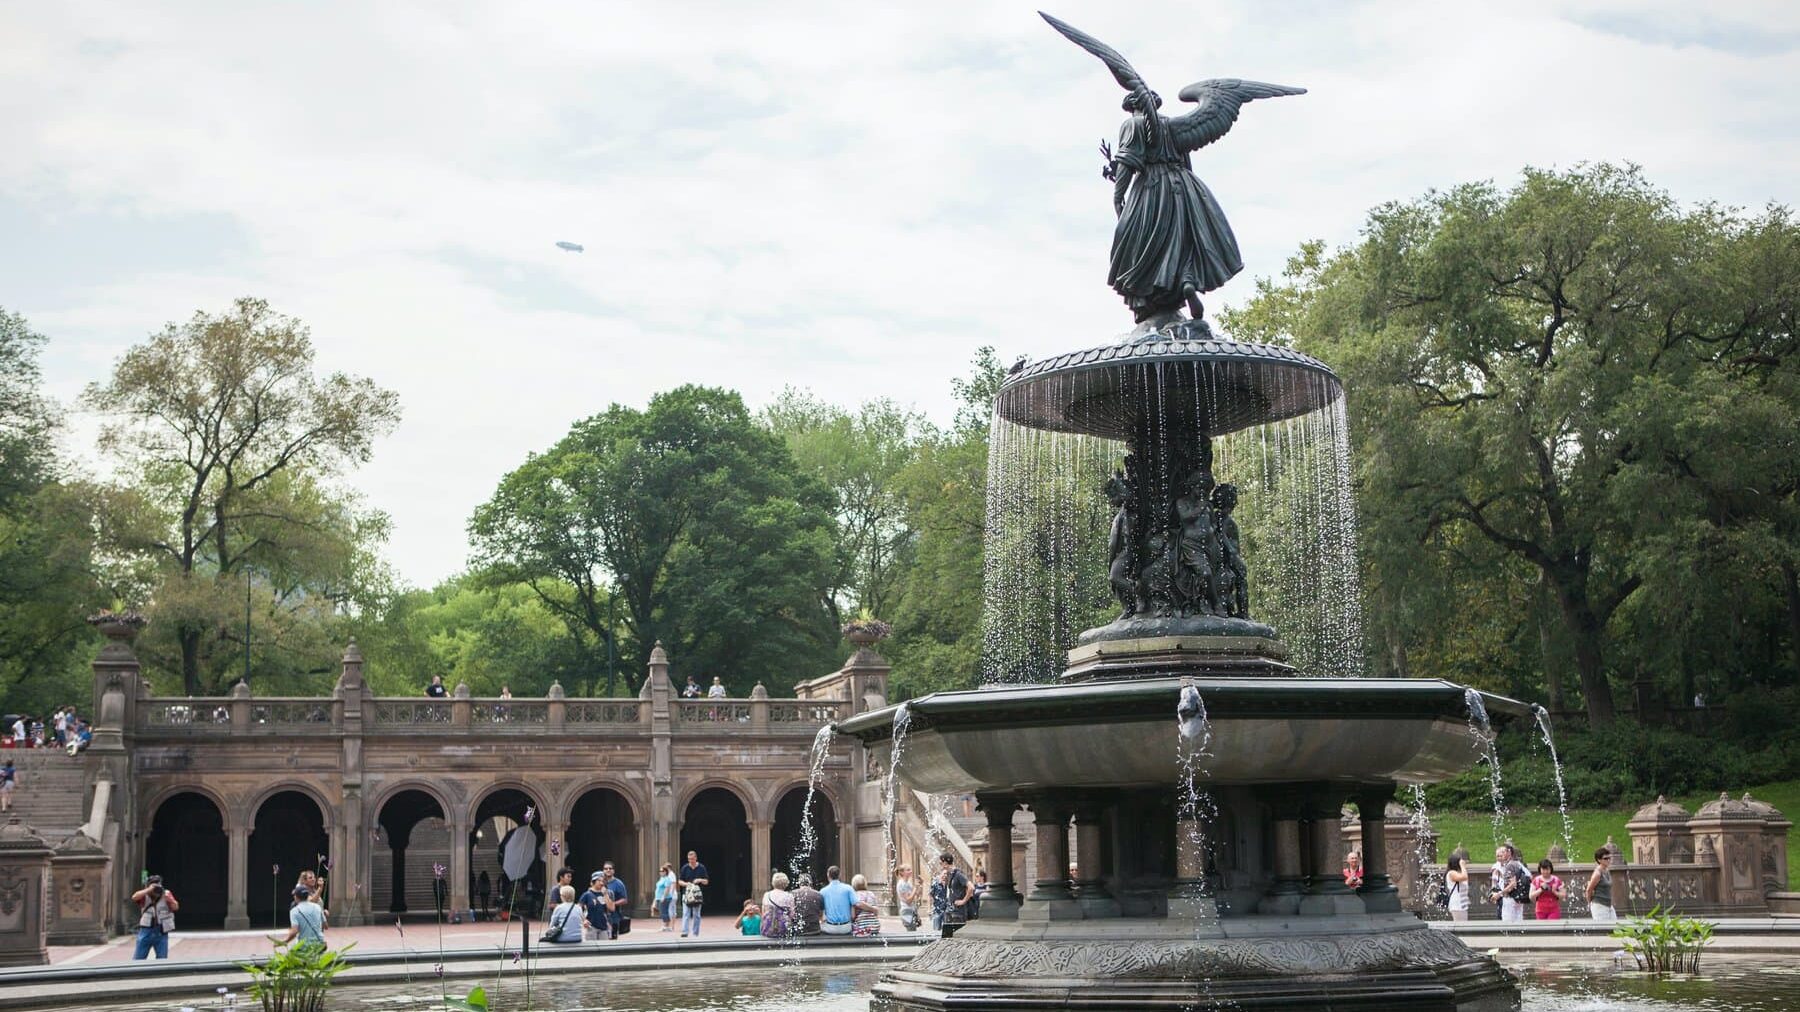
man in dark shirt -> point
(618, 901)
(436, 689)
(565, 877)
(593, 907)
(808, 906)
(695, 873)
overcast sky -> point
(841, 197)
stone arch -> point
(746, 795)
(410, 839)
(390, 790)
(290, 832)
(306, 787)
(186, 844)
(602, 823)
(495, 813)
(788, 848)
(715, 822)
(220, 801)
(633, 795)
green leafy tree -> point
(232, 441)
(858, 455)
(1566, 371)
(696, 517)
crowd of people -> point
(64, 729)
(1513, 888)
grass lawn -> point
(1534, 829)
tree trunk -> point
(1547, 653)
(190, 660)
(1790, 582)
(1584, 629)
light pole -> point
(246, 625)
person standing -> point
(1599, 888)
(306, 920)
(694, 879)
(981, 889)
(1548, 892)
(565, 877)
(665, 896)
(839, 902)
(19, 731)
(1456, 885)
(950, 895)
(9, 777)
(717, 689)
(906, 897)
(618, 899)
(1353, 870)
(1509, 884)
(156, 920)
(691, 690)
(593, 907)
(436, 689)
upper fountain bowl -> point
(1180, 372)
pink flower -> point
(437, 870)
(530, 812)
(555, 847)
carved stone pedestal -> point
(79, 869)
(24, 876)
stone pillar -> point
(1002, 900)
(237, 880)
(1051, 899)
(655, 699)
(24, 879)
(1090, 832)
(1660, 834)
(349, 841)
(1191, 896)
(79, 869)
(759, 708)
(1377, 892)
(1290, 875)
(461, 710)
(762, 856)
(1322, 828)
(1774, 844)
(555, 833)
(459, 861)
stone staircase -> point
(51, 795)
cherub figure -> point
(1172, 242)
(1121, 544)
(1197, 580)
(1234, 587)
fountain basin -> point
(1123, 733)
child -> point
(749, 921)
(1548, 892)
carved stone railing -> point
(596, 712)
(712, 711)
(411, 714)
(508, 713)
(809, 713)
(290, 714)
(185, 715)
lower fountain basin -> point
(1124, 733)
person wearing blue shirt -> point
(618, 901)
(593, 907)
(840, 904)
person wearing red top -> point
(1548, 892)
(1353, 870)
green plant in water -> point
(1665, 942)
(296, 977)
(475, 1001)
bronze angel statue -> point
(1172, 242)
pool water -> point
(1561, 984)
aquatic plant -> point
(1665, 942)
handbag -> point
(692, 895)
(555, 930)
(624, 924)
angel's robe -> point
(1172, 238)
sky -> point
(844, 198)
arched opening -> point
(187, 847)
(498, 816)
(602, 828)
(413, 836)
(797, 850)
(289, 838)
(717, 828)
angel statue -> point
(1172, 242)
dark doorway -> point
(289, 838)
(498, 816)
(717, 827)
(413, 839)
(793, 852)
(187, 847)
(602, 828)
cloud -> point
(847, 198)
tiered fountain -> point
(1236, 901)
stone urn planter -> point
(866, 632)
(118, 626)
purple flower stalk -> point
(530, 811)
(555, 847)
(438, 969)
(437, 870)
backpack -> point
(777, 921)
(692, 895)
(1440, 897)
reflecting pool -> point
(1553, 984)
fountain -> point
(1238, 902)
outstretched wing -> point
(1121, 69)
(1219, 101)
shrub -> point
(1665, 943)
(296, 977)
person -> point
(778, 908)
(749, 920)
(691, 690)
(565, 920)
(1353, 870)
(809, 906)
(564, 877)
(694, 879)
(8, 778)
(157, 920)
(950, 895)
(593, 907)
(18, 731)
(306, 920)
(505, 691)
(981, 888)
(484, 888)
(1456, 884)
(867, 913)
(906, 897)
(717, 689)
(436, 689)
(1509, 884)
(1599, 888)
(315, 888)
(665, 895)
(618, 899)
(1548, 892)
(839, 901)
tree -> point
(473, 631)
(1542, 368)
(232, 441)
(857, 455)
(698, 518)
(49, 580)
